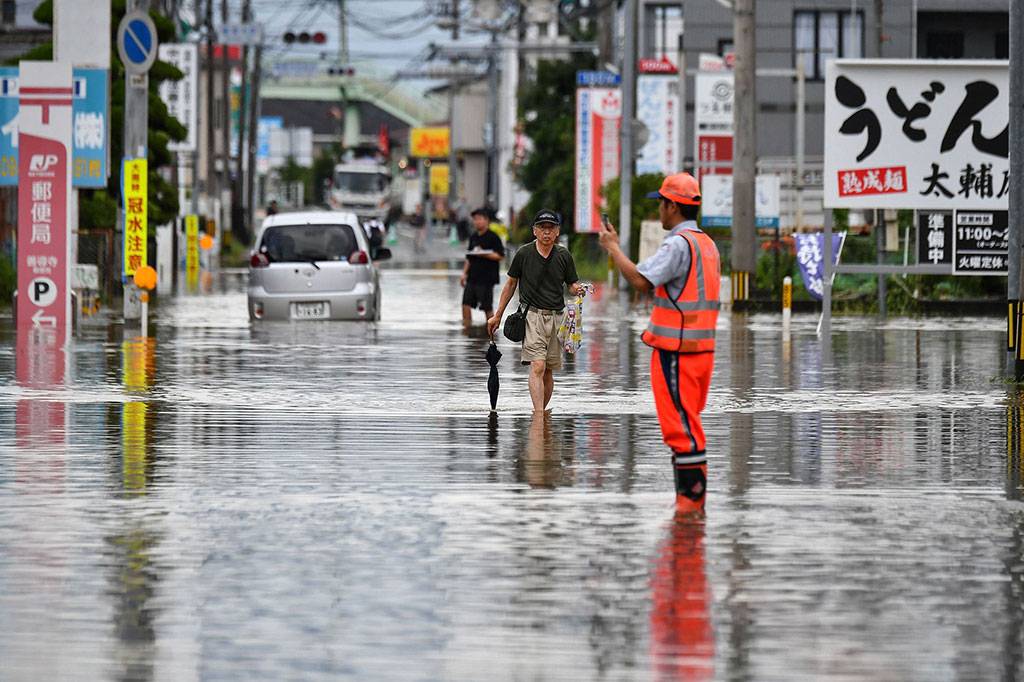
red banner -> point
(714, 149)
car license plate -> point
(316, 310)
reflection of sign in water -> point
(716, 201)
(980, 242)
(191, 252)
(89, 134)
(917, 134)
(136, 234)
(598, 120)
(137, 364)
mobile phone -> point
(604, 220)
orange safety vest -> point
(687, 324)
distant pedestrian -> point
(272, 207)
(480, 272)
(541, 270)
(418, 222)
(685, 276)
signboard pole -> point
(1014, 283)
(628, 114)
(137, 45)
(744, 250)
(681, 129)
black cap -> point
(547, 216)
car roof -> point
(312, 218)
(309, 218)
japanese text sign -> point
(716, 201)
(917, 134)
(439, 180)
(44, 302)
(981, 242)
(810, 256)
(182, 97)
(90, 134)
(191, 252)
(429, 143)
(713, 123)
(133, 189)
(598, 122)
(935, 238)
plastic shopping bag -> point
(570, 333)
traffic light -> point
(341, 71)
(305, 37)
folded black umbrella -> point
(493, 356)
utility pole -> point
(1015, 284)
(343, 35)
(238, 224)
(744, 247)
(492, 122)
(212, 188)
(254, 118)
(605, 33)
(455, 20)
(880, 215)
(628, 114)
(135, 145)
(225, 83)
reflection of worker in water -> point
(682, 640)
(685, 276)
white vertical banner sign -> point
(181, 97)
(598, 124)
(657, 107)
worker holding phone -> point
(685, 276)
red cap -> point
(681, 188)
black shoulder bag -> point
(515, 324)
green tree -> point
(547, 105)
(98, 208)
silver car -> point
(314, 266)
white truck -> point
(363, 187)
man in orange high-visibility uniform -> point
(685, 276)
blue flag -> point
(810, 254)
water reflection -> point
(547, 460)
(682, 638)
(130, 551)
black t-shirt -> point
(484, 270)
(538, 287)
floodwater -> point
(325, 500)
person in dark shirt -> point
(480, 273)
(541, 269)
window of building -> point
(8, 12)
(824, 35)
(944, 45)
(1003, 45)
(725, 46)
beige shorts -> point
(541, 342)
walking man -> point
(544, 269)
(685, 276)
(480, 273)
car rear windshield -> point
(304, 243)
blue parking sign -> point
(90, 135)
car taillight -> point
(259, 260)
(359, 258)
(257, 310)
(360, 307)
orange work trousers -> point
(680, 383)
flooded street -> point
(321, 500)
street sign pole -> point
(137, 46)
(1014, 283)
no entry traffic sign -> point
(137, 42)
